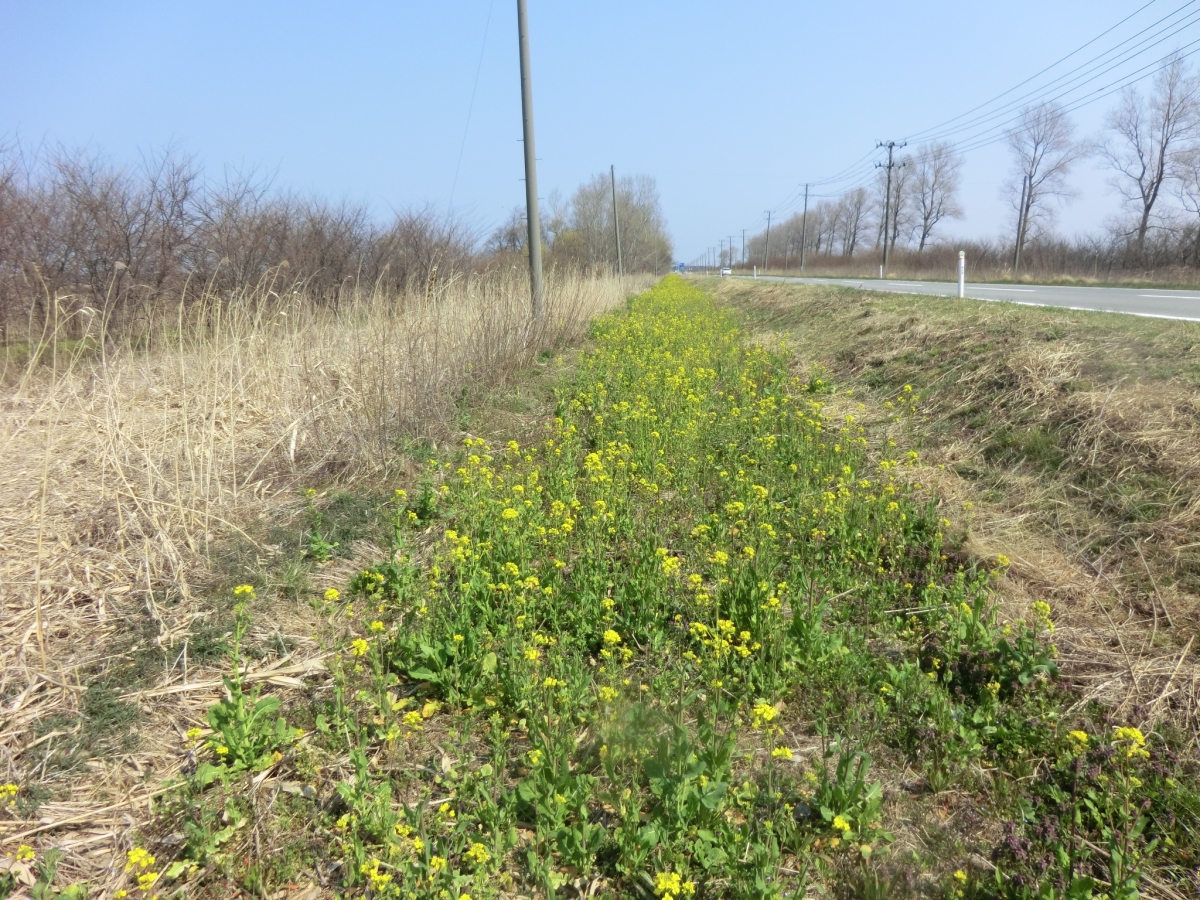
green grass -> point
(699, 639)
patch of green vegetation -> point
(674, 648)
(1037, 445)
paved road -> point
(1158, 304)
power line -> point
(1041, 93)
(471, 107)
(1058, 62)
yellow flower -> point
(509, 513)
(670, 885)
(1080, 738)
(376, 626)
(782, 753)
(437, 863)
(332, 595)
(960, 876)
(359, 647)
(840, 823)
(611, 637)
(25, 853)
(1134, 741)
(244, 590)
(763, 713)
(478, 854)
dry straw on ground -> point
(122, 464)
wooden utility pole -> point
(612, 170)
(887, 201)
(767, 248)
(743, 246)
(532, 216)
(804, 228)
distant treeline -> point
(78, 231)
(1150, 145)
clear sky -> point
(729, 106)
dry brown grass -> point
(1067, 441)
(121, 466)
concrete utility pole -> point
(767, 248)
(1026, 189)
(804, 228)
(531, 195)
(616, 220)
(743, 246)
(887, 201)
(962, 273)
(731, 254)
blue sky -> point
(728, 106)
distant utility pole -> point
(743, 246)
(531, 195)
(804, 228)
(887, 201)
(616, 220)
(1026, 188)
(731, 252)
(767, 248)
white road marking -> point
(1009, 290)
(1170, 296)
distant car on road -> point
(727, 271)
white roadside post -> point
(756, 273)
(962, 273)
(881, 273)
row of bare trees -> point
(1150, 147)
(77, 231)
(924, 193)
(580, 232)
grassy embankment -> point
(712, 635)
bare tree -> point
(589, 238)
(1044, 148)
(1187, 173)
(854, 205)
(510, 236)
(1147, 134)
(935, 181)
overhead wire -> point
(1089, 72)
(1058, 62)
(1041, 93)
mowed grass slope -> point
(709, 636)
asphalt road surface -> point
(1158, 304)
